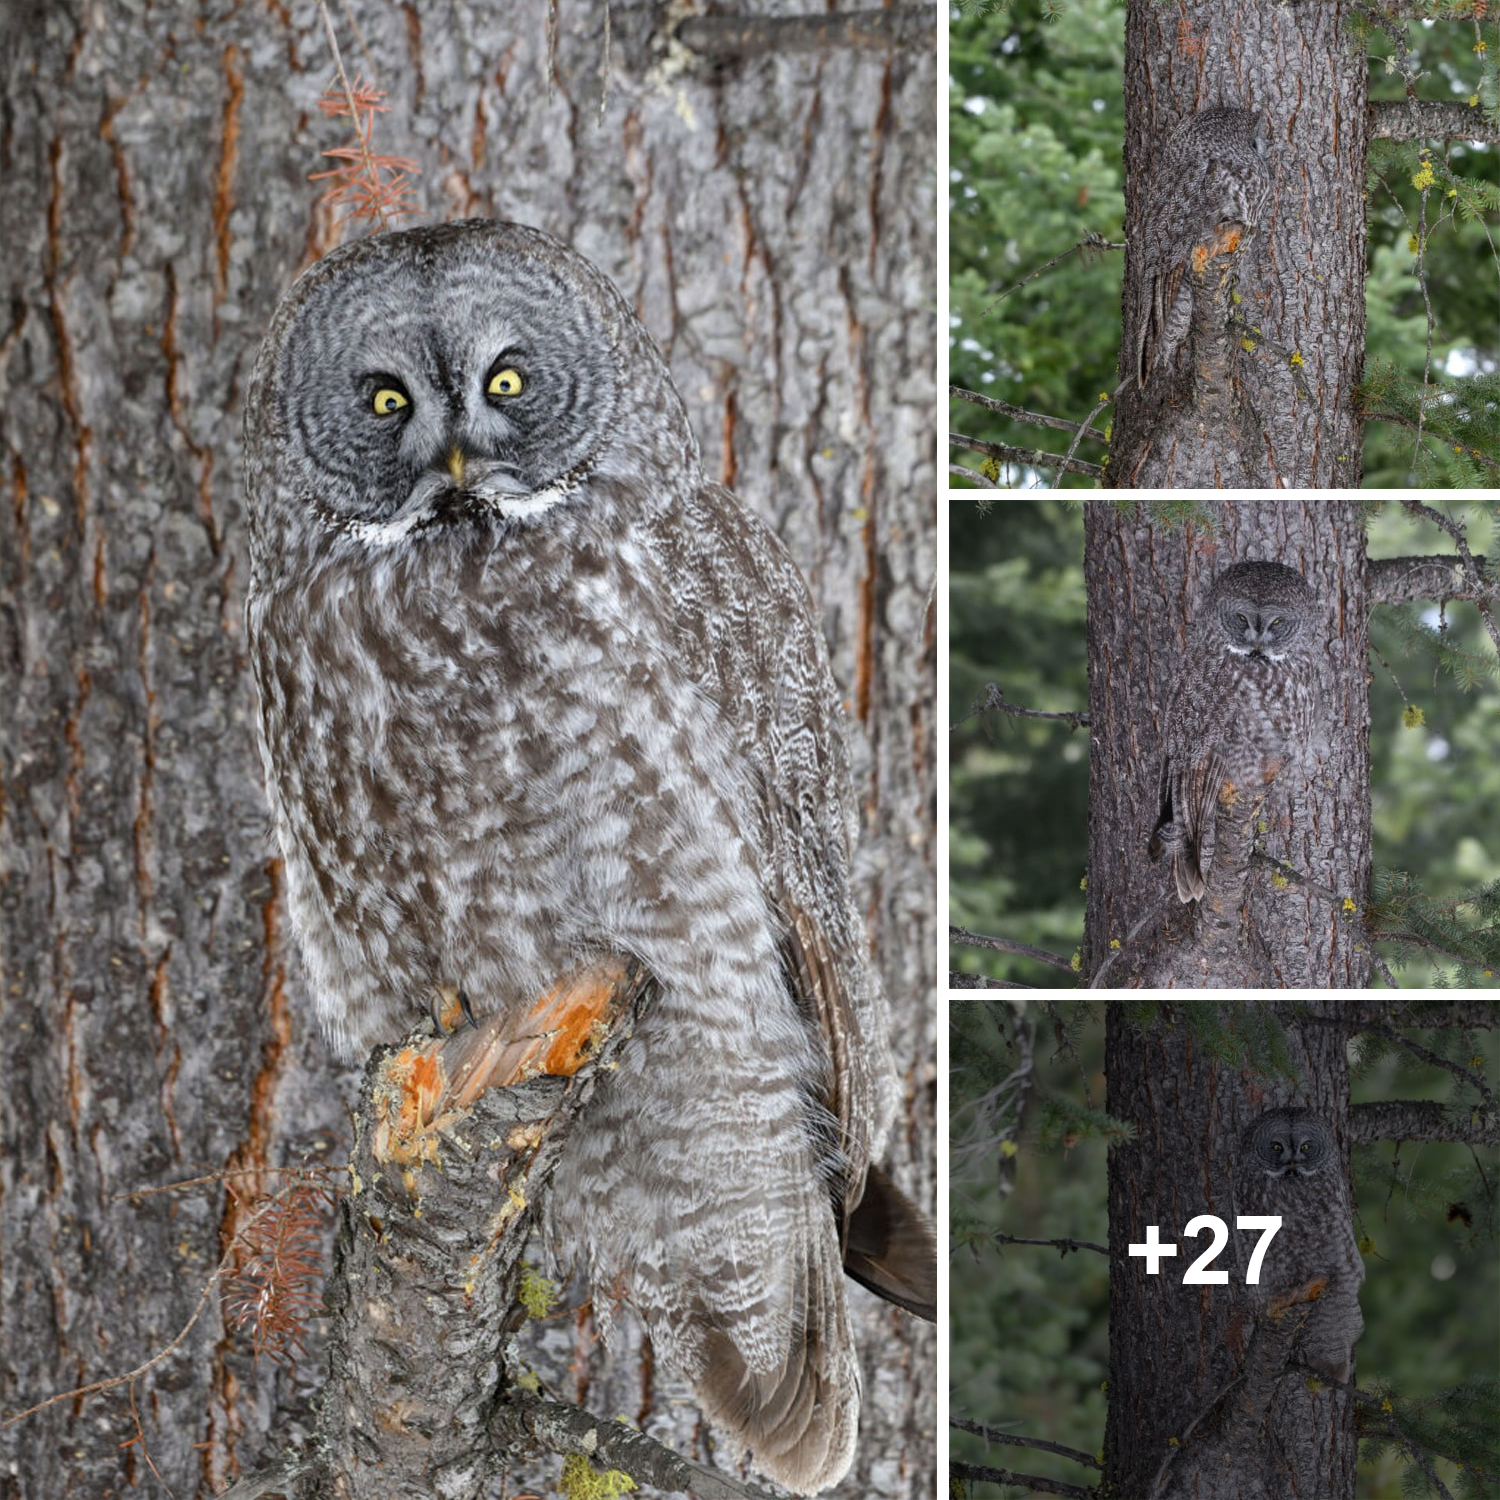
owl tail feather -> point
(799, 1422)
(889, 1248)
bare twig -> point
(1032, 456)
(305, 1174)
(983, 1474)
(131, 1376)
(1020, 414)
(1087, 426)
(966, 939)
(1116, 953)
(960, 981)
(1064, 1245)
(1090, 242)
(993, 701)
(994, 1435)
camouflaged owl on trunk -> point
(1210, 171)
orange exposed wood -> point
(427, 1088)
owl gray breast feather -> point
(1240, 712)
(1210, 170)
(1289, 1166)
(531, 691)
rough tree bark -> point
(1253, 417)
(1144, 579)
(1173, 1349)
(770, 216)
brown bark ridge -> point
(1144, 577)
(1264, 395)
(1199, 1404)
(771, 218)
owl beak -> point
(456, 466)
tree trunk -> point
(770, 217)
(1173, 1349)
(1144, 577)
(1267, 401)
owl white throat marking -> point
(420, 514)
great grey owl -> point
(1210, 170)
(1240, 712)
(532, 689)
(1289, 1165)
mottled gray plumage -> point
(533, 690)
(1240, 713)
(1289, 1165)
(1210, 170)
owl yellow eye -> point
(387, 400)
(506, 382)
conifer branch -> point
(1437, 1060)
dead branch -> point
(966, 939)
(993, 701)
(1432, 1015)
(1403, 580)
(993, 1435)
(1470, 566)
(983, 1474)
(1421, 1120)
(1064, 1245)
(961, 981)
(1433, 119)
(1020, 414)
(1032, 456)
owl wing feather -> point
(747, 635)
(1192, 772)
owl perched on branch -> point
(1240, 713)
(1210, 170)
(533, 690)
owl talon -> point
(468, 1010)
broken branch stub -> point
(456, 1140)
